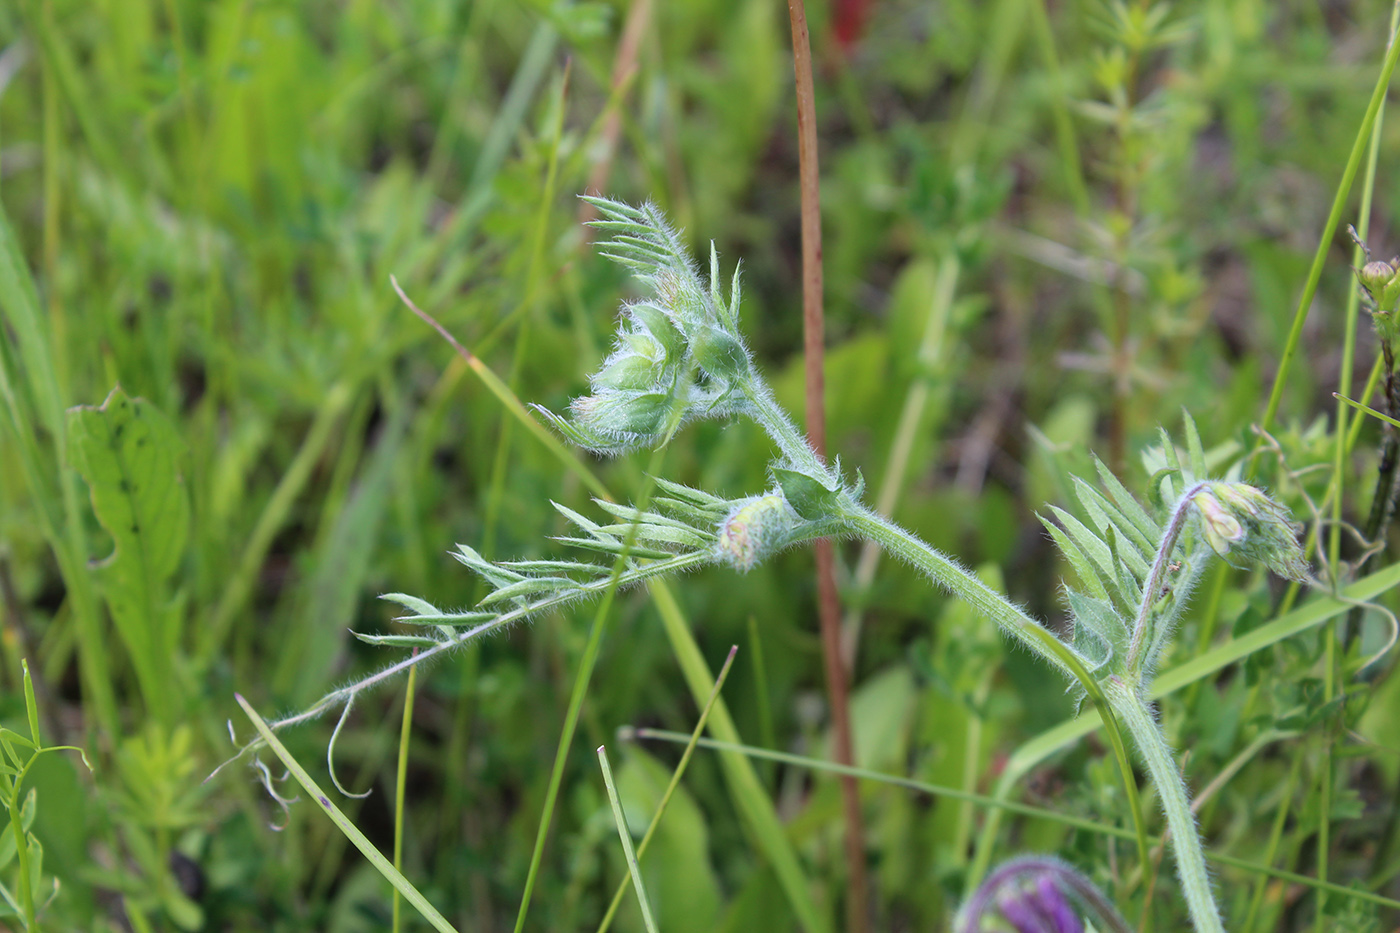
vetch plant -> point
(680, 356)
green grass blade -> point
(1367, 409)
(343, 823)
(625, 835)
(401, 778)
(34, 404)
(582, 679)
(744, 786)
(671, 785)
(1001, 804)
(1324, 245)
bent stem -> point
(1186, 844)
(1012, 619)
(1152, 589)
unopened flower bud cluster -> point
(1240, 521)
(678, 356)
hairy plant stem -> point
(1151, 590)
(658, 568)
(1010, 618)
(856, 520)
(765, 410)
(1186, 844)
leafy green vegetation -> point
(1049, 230)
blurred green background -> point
(211, 196)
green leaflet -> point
(1099, 632)
(1129, 506)
(809, 498)
(1102, 558)
(1193, 445)
(1105, 513)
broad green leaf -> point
(680, 880)
(808, 497)
(881, 711)
(1100, 634)
(63, 822)
(130, 455)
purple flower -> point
(1037, 895)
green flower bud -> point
(754, 529)
(643, 345)
(1375, 276)
(719, 353)
(678, 293)
(628, 371)
(1222, 530)
(628, 417)
(652, 322)
(1241, 519)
